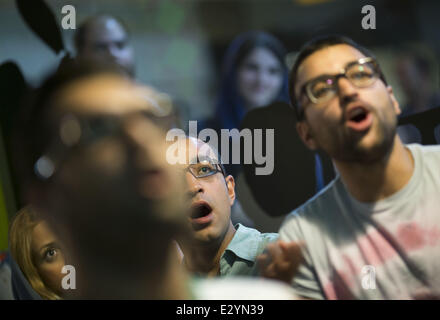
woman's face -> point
(259, 78)
(48, 257)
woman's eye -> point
(50, 254)
(274, 71)
(250, 67)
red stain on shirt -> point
(375, 249)
(411, 236)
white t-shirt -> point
(388, 249)
(241, 288)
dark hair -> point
(80, 35)
(35, 130)
(312, 46)
(230, 108)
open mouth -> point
(201, 212)
(359, 118)
(357, 114)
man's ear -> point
(394, 100)
(303, 129)
(230, 184)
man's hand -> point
(280, 260)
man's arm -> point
(280, 261)
(290, 260)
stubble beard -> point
(349, 147)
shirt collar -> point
(245, 242)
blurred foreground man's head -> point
(94, 161)
(104, 38)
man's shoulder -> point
(324, 207)
(425, 149)
(248, 242)
(429, 155)
(257, 235)
(324, 199)
(430, 150)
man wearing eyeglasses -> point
(216, 247)
(374, 232)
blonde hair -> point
(20, 242)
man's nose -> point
(194, 185)
(346, 90)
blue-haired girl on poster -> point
(254, 75)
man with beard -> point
(374, 232)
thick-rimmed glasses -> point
(361, 73)
(204, 168)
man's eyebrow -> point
(326, 75)
(322, 76)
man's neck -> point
(378, 180)
(204, 258)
